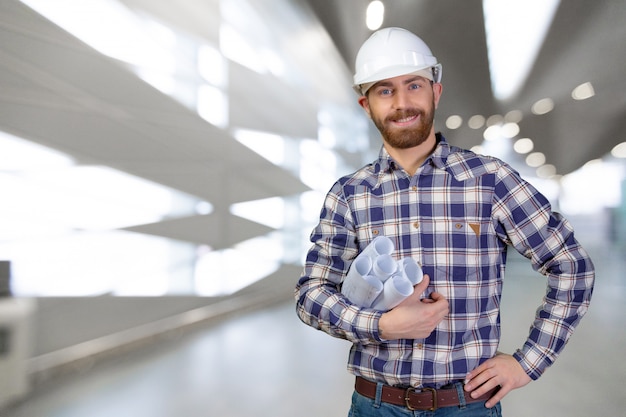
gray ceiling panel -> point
(218, 231)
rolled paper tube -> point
(384, 266)
(354, 286)
(375, 288)
(361, 265)
(411, 270)
(361, 290)
(395, 290)
(381, 245)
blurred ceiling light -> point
(523, 145)
(101, 198)
(493, 133)
(619, 151)
(535, 159)
(212, 105)
(515, 31)
(270, 146)
(510, 130)
(583, 92)
(593, 188)
(223, 272)
(476, 122)
(326, 137)
(235, 47)
(543, 106)
(454, 122)
(546, 171)
(318, 165)
(21, 155)
(495, 119)
(592, 164)
(514, 116)
(203, 208)
(212, 66)
(135, 39)
(274, 62)
(268, 211)
(375, 15)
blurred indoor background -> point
(163, 163)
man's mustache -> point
(403, 114)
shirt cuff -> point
(364, 324)
(533, 361)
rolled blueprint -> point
(410, 270)
(381, 245)
(361, 266)
(384, 266)
(395, 289)
(360, 287)
(368, 290)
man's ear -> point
(437, 90)
(364, 102)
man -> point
(455, 213)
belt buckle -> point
(407, 399)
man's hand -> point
(502, 370)
(414, 318)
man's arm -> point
(319, 302)
(527, 222)
(546, 238)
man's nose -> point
(400, 99)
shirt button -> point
(414, 188)
(416, 225)
(419, 346)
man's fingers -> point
(502, 370)
(421, 287)
(499, 395)
(437, 296)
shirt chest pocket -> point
(460, 247)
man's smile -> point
(404, 120)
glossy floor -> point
(267, 363)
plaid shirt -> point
(456, 216)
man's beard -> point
(404, 138)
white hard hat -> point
(391, 52)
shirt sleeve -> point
(526, 220)
(319, 302)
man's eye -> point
(385, 91)
(414, 86)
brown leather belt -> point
(429, 399)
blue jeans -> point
(367, 407)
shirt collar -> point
(438, 158)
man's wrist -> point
(383, 330)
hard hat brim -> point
(392, 72)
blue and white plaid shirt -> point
(455, 216)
